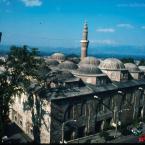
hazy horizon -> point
(98, 51)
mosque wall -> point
(21, 114)
(92, 116)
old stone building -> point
(89, 97)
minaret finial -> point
(85, 23)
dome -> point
(142, 68)
(62, 75)
(58, 56)
(90, 60)
(89, 69)
(112, 64)
(52, 62)
(68, 65)
(131, 67)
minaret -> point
(84, 41)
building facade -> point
(89, 97)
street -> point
(126, 139)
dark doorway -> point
(68, 134)
(107, 124)
(81, 131)
(98, 126)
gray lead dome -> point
(89, 69)
(58, 56)
(90, 60)
(68, 65)
(111, 64)
(131, 67)
(52, 62)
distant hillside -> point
(119, 51)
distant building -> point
(90, 97)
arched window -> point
(69, 112)
(83, 109)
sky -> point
(58, 23)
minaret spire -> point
(84, 41)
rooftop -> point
(90, 60)
(111, 64)
(88, 70)
(58, 56)
(68, 65)
(131, 67)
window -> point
(113, 75)
(31, 131)
(102, 81)
(69, 113)
(107, 103)
(83, 109)
(100, 107)
(20, 122)
(128, 97)
(16, 118)
(123, 100)
(126, 75)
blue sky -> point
(60, 22)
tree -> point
(127, 60)
(142, 62)
(19, 67)
(26, 72)
(8, 88)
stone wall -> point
(23, 118)
(90, 113)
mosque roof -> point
(58, 56)
(131, 67)
(68, 65)
(90, 60)
(88, 69)
(52, 62)
(111, 64)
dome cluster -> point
(111, 64)
(131, 67)
(90, 60)
(68, 65)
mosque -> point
(91, 96)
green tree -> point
(26, 72)
(20, 65)
(142, 62)
(127, 60)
